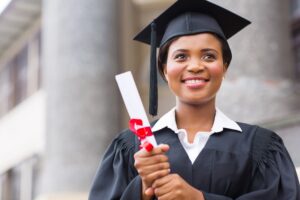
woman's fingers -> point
(143, 171)
(152, 165)
(149, 191)
(162, 148)
(144, 162)
(164, 181)
(156, 156)
(156, 175)
(174, 187)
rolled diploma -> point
(133, 101)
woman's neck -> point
(195, 118)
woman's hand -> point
(151, 166)
(174, 187)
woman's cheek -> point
(173, 70)
(216, 70)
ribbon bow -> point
(136, 126)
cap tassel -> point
(153, 74)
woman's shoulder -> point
(263, 141)
(125, 141)
(126, 135)
(254, 130)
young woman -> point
(202, 153)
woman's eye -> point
(209, 57)
(180, 57)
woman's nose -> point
(195, 66)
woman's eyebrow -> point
(205, 50)
(180, 50)
(209, 49)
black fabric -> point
(261, 142)
(191, 23)
(209, 18)
(153, 97)
(227, 167)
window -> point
(17, 183)
(21, 77)
(295, 15)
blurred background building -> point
(60, 106)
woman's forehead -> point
(201, 40)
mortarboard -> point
(186, 17)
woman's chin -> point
(197, 101)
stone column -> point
(80, 59)
(259, 84)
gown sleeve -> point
(274, 176)
(116, 178)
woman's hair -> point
(163, 53)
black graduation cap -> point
(186, 17)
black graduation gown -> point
(250, 165)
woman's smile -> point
(197, 82)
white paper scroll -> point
(133, 100)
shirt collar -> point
(220, 123)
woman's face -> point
(194, 69)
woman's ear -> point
(225, 66)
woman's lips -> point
(195, 83)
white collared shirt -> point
(193, 149)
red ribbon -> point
(141, 132)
